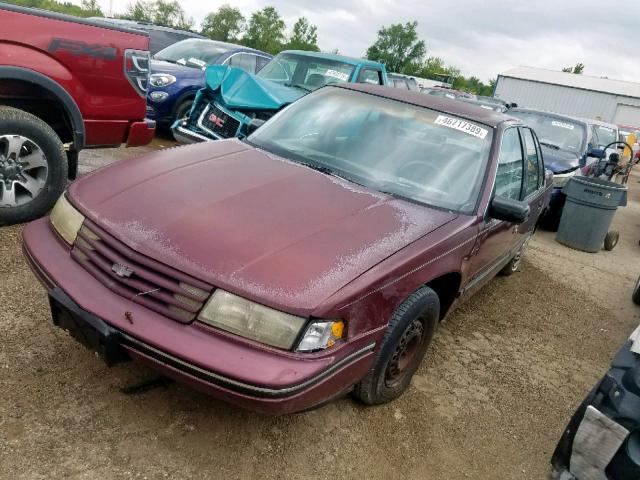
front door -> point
(533, 180)
(498, 238)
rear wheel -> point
(405, 343)
(513, 265)
(33, 166)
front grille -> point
(219, 122)
(198, 108)
(138, 278)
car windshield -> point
(194, 52)
(305, 72)
(606, 135)
(555, 132)
(400, 149)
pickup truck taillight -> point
(136, 67)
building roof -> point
(454, 107)
(584, 82)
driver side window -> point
(510, 166)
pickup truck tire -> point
(405, 343)
(33, 166)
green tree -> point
(226, 24)
(141, 11)
(398, 48)
(578, 69)
(160, 12)
(304, 36)
(85, 9)
(265, 31)
(91, 8)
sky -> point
(480, 37)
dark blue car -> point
(566, 144)
(177, 73)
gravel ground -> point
(504, 375)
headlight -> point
(66, 219)
(161, 79)
(248, 319)
(158, 96)
(561, 179)
(243, 317)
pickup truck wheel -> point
(33, 166)
(404, 345)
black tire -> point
(550, 220)
(611, 240)
(18, 122)
(636, 293)
(417, 315)
(183, 109)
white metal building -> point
(613, 101)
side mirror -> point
(254, 124)
(596, 152)
(508, 210)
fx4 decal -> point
(79, 49)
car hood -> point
(242, 90)
(180, 71)
(250, 222)
(559, 160)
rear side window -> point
(532, 177)
(260, 62)
(368, 75)
(245, 61)
(509, 176)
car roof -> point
(231, 46)
(334, 57)
(550, 114)
(444, 105)
(592, 121)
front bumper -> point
(141, 133)
(183, 135)
(254, 377)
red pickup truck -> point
(66, 84)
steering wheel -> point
(419, 169)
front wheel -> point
(404, 345)
(33, 166)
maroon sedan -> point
(314, 258)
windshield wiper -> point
(319, 168)
(550, 145)
(300, 86)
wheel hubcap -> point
(405, 354)
(23, 170)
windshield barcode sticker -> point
(339, 75)
(461, 125)
(568, 126)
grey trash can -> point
(588, 212)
